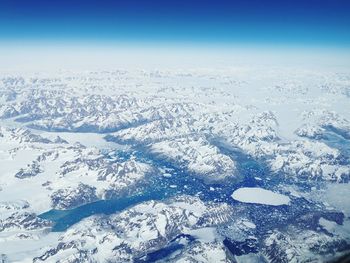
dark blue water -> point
(163, 253)
(239, 248)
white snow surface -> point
(256, 195)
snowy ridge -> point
(132, 233)
(198, 156)
(141, 165)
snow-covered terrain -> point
(194, 165)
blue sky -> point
(257, 22)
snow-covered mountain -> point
(140, 166)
